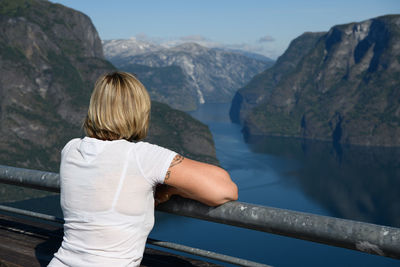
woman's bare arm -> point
(204, 182)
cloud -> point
(194, 38)
(254, 48)
(146, 38)
(199, 39)
(142, 36)
(258, 48)
(266, 38)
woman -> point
(108, 179)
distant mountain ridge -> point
(343, 88)
(210, 75)
(118, 49)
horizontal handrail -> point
(32, 214)
(48, 181)
(365, 237)
(205, 253)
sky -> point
(261, 26)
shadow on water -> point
(352, 182)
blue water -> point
(348, 182)
(294, 176)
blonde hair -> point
(119, 108)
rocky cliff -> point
(262, 85)
(345, 88)
(50, 57)
(209, 75)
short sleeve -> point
(154, 161)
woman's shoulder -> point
(149, 147)
(70, 143)
(153, 153)
(74, 140)
(68, 146)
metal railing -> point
(365, 237)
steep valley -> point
(188, 74)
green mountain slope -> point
(50, 57)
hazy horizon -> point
(264, 27)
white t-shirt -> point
(107, 200)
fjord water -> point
(348, 182)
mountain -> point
(182, 133)
(169, 85)
(50, 57)
(118, 49)
(345, 88)
(212, 75)
(261, 86)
